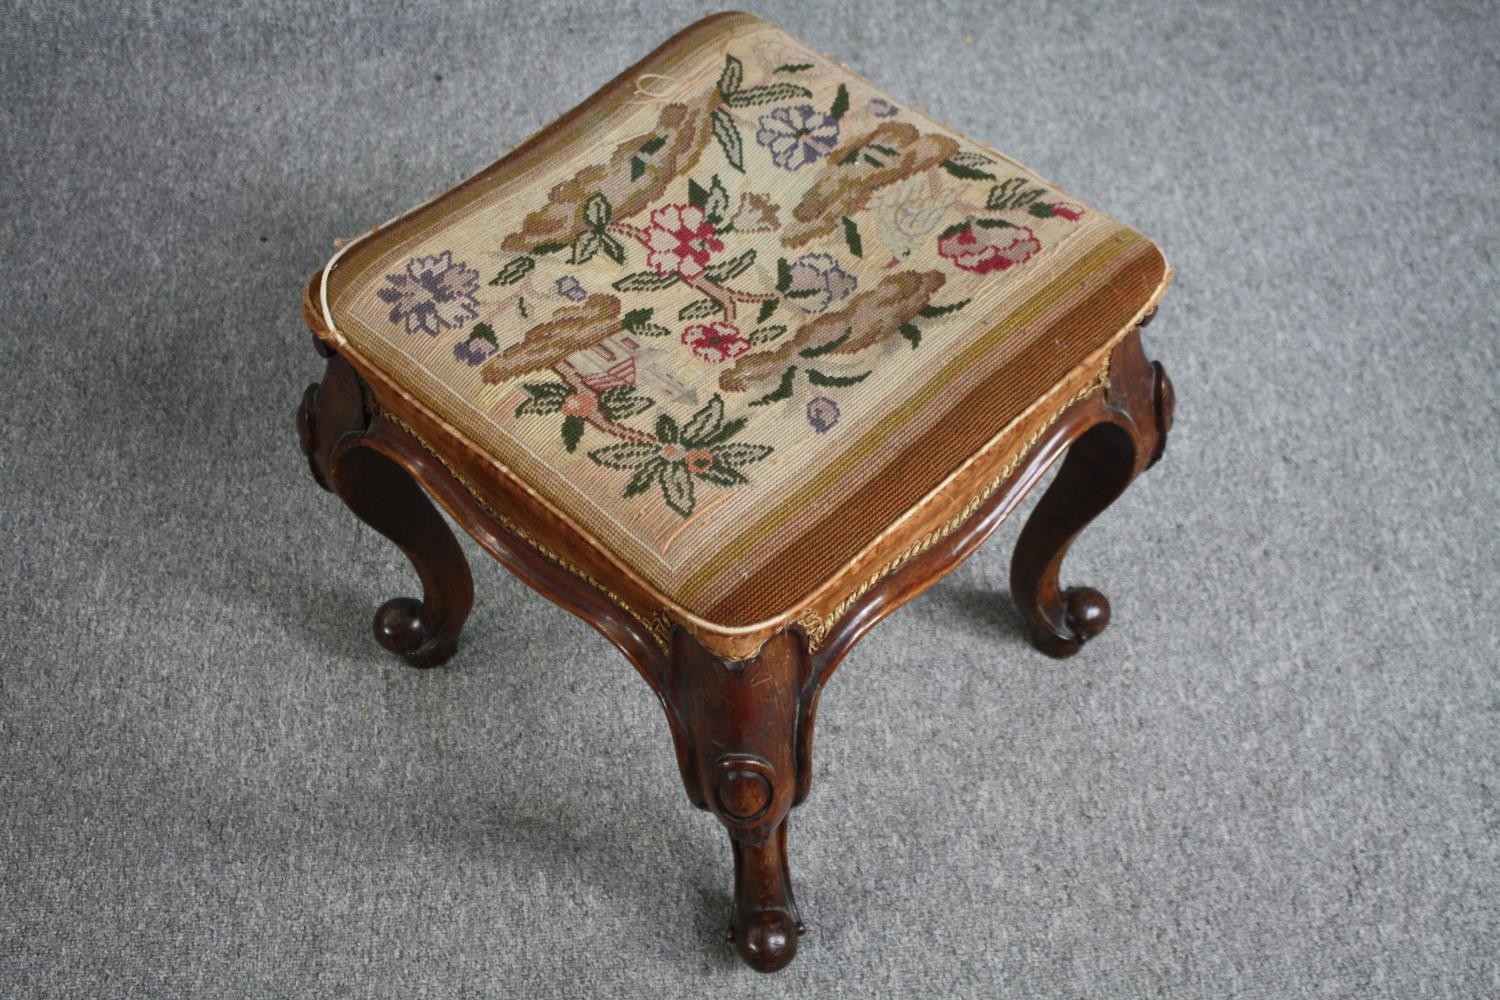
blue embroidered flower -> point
(433, 294)
(822, 413)
(570, 288)
(797, 136)
(881, 108)
(818, 282)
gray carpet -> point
(1274, 776)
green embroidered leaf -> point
(612, 248)
(652, 145)
(542, 248)
(993, 224)
(732, 76)
(766, 309)
(630, 455)
(766, 335)
(636, 317)
(1041, 210)
(597, 211)
(584, 247)
(483, 331)
(521, 308)
(716, 204)
(514, 271)
(840, 103)
(643, 478)
(735, 455)
(883, 149)
(637, 168)
(572, 430)
(725, 431)
(1010, 194)
(702, 423)
(699, 309)
(834, 381)
(783, 275)
(969, 159)
(650, 330)
(928, 312)
(850, 156)
(792, 67)
(697, 193)
(666, 429)
(963, 172)
(818, 350)
(677, 487)
(732, 268)
(728, 134)
(851, 237)
(782, 391)
(722, 475)
(911, 333)
(766, 93)
(805, 293)
(953, 230)
(645, 281)
(623, 401)
(543, 398)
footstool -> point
(734, 359)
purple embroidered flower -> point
(881, 108)
(797, 136)
(822, 413)
(480, 346)
(818, 282)
(433, 294)
(570, 288)
(473, 351)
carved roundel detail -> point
(742, 786)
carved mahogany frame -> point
(742, 728)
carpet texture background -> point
(1274, 776)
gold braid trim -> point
(818, 626)
(659, 626)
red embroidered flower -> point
(985, 249)
(716, 341)
(680, 241)
(1067, 210)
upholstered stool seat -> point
(731, 360)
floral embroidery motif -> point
(818, 282)
(822, 414)
(676, 456)
(433, 294)
(681, 241)
(988, 245)
(715, 341)
(796, 302)
(797, 136)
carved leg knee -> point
(737, 721)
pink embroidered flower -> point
(680, 241)
(717, 341)
(1067, 210)
(983, 249)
